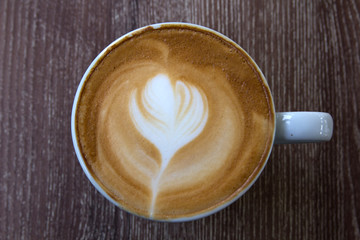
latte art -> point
(169, 117)
(174, 122)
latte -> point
(175, 121)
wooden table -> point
(308, 50)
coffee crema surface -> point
(174, 122)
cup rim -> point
(94, 63)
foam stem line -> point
(155, 183)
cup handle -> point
(302, 127)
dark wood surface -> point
(308, 50)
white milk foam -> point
(171, 116)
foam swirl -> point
(169, 117)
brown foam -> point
(208, 171)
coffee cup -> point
(175, 121)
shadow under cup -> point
(173, 122)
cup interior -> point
(93, 66)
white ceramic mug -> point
(291, 127)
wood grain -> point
(308, 50)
